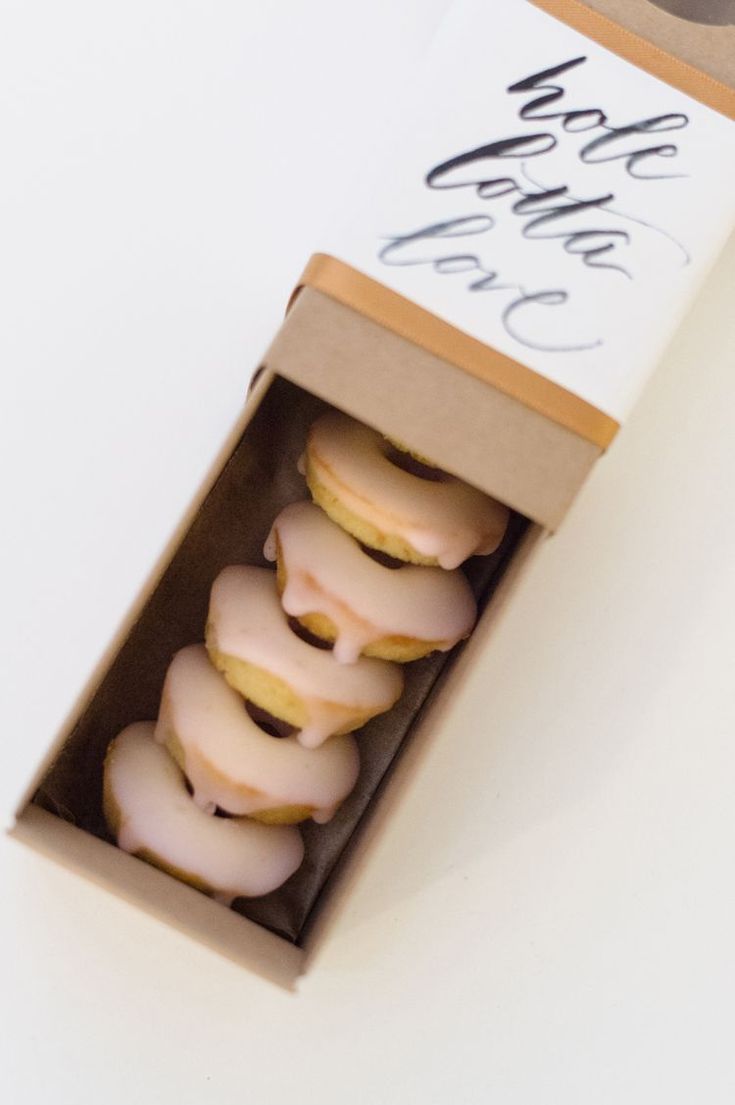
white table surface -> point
(549, 915)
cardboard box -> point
(388, 360)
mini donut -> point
(437, 520)
(250, 641)
(340, 593)
(151, 815)
(234, 765)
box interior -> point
(709, 46)
(257, 480)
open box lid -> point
(525, 254)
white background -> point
(549, 917)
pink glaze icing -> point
(249, 623)
(328, 573)
(236, 857)
(445, 519)
(231, 763)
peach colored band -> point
(700, 86)
(393, 311)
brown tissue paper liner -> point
(259, 479)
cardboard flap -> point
(461, 423)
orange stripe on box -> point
(642, 53)
(396, 313)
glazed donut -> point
(151, 815)
(250, 641)
(234, 765)
(164, 782)
(435, 520)
(340, 593)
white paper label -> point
(550, 199)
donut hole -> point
(267, 722)
(415, 467)
(382, 557)
(217, 812)
(308, 638)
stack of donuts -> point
(255, 728)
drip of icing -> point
(203, 802)
(449, 553)
(147, 795)
(323, 816)
(128, 840)
(444, 519)
(301, 464)
(248, 623)
(326, 572)
(321, 724)
(269, 548)
(230, 762)
(299, 598)
(348, 647)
